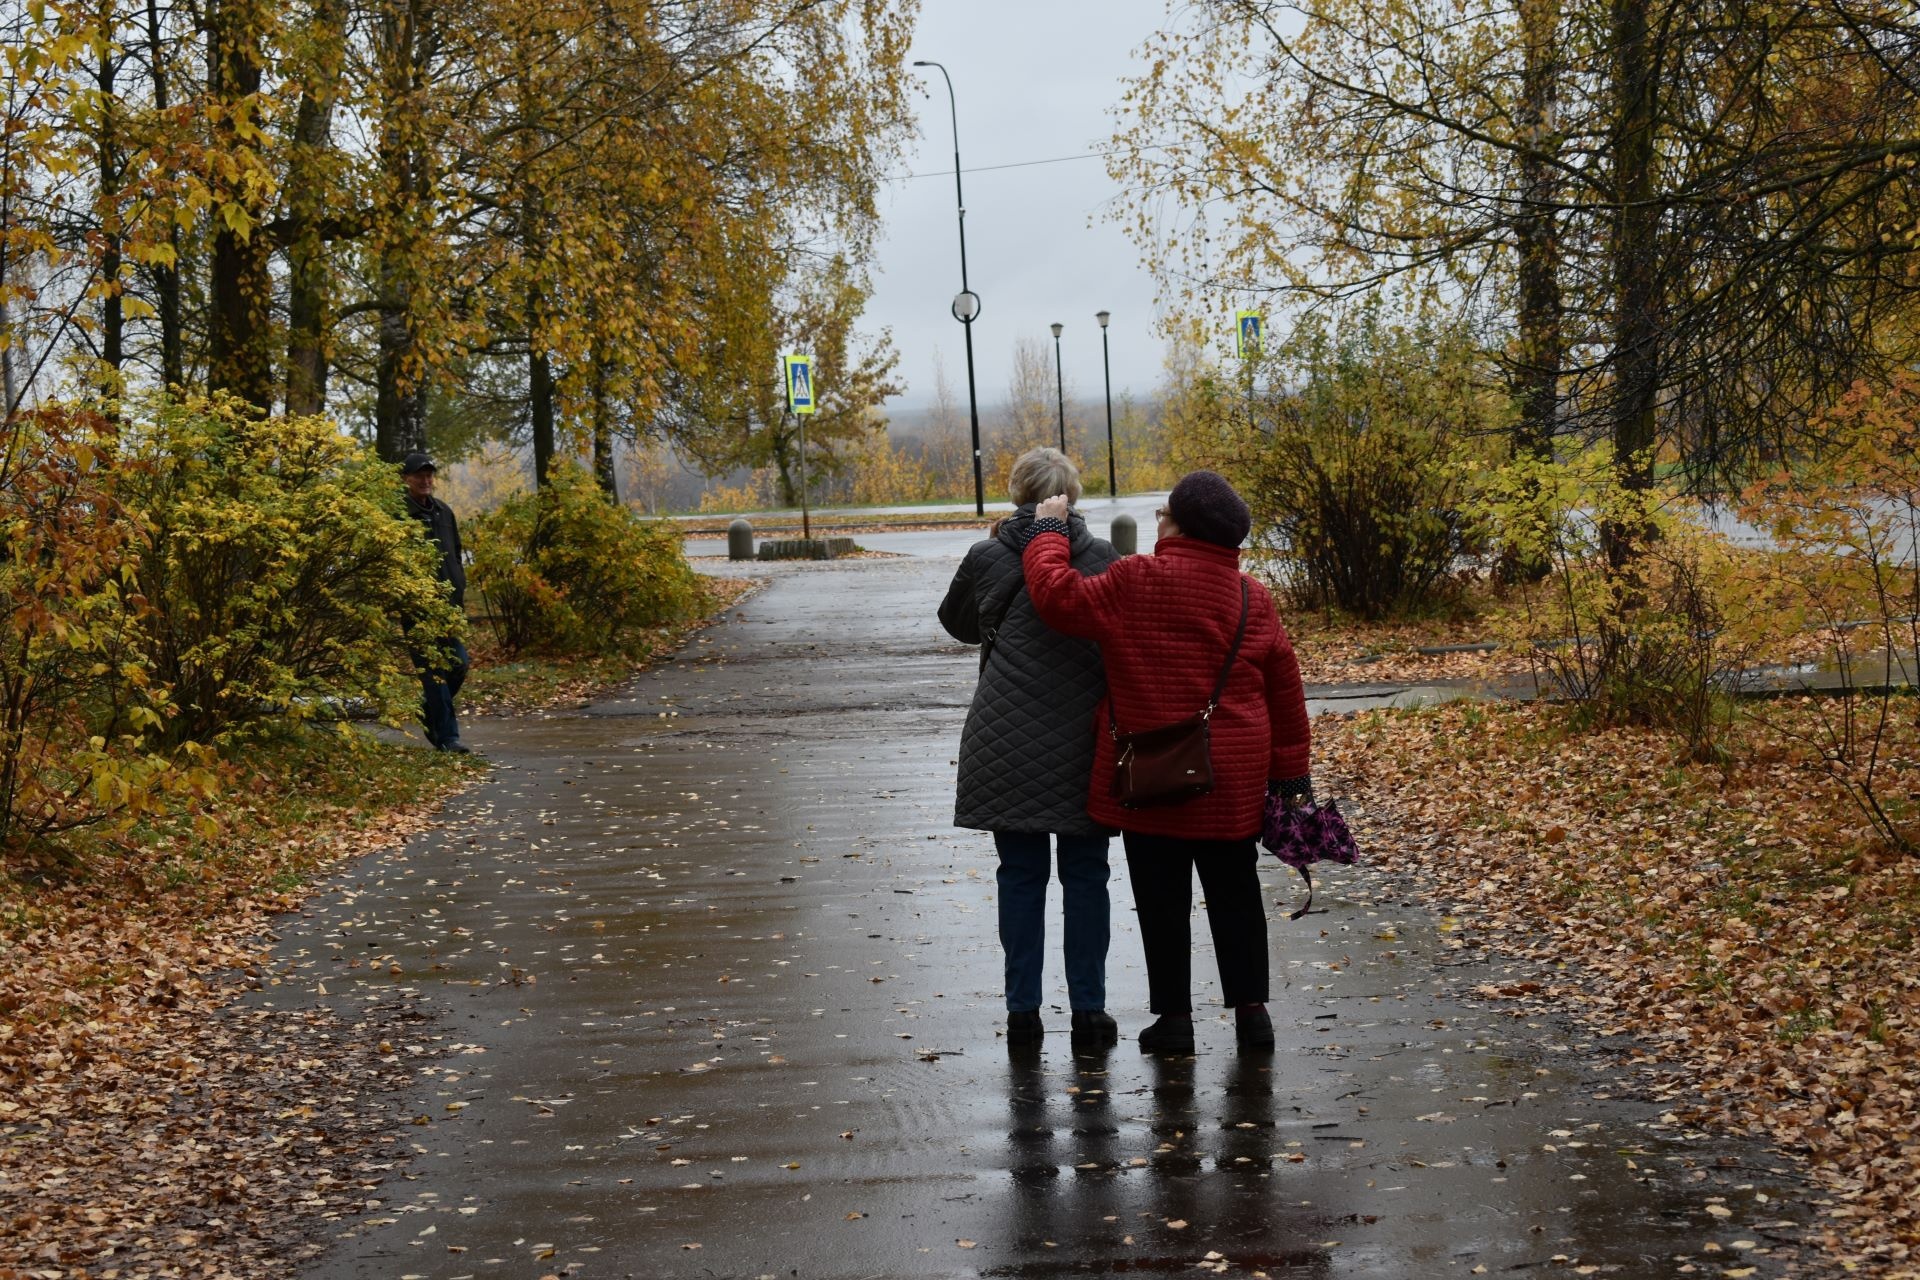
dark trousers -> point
(441, 675)
(1025, 860)
(1161, 868)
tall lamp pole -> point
(1106, 366)
(966, 303)
(1060, 386)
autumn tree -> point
(51, 144)
(1030, 415)
(1139, 447)
(371, 206)
(853, 376)
(657, 194)
(1684, 227)
(242, 180)
(947, 448)
(315, 167)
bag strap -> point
(1226, 669)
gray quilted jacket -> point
(1027, 750)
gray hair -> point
(1039, 474)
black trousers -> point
(1161, 868)
(441, 675)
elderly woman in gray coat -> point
(1027, 752)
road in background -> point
(1098, 512)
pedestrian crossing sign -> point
(799, 378)
(1246, 333)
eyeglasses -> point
(1160, 513)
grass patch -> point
(296, 804)
(532, 682)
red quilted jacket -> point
(1165, 623)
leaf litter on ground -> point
(150, 1125)
(1735, 922)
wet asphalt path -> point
(714, 991)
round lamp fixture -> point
(1056, 329)
(966, 306)
(1103, 317)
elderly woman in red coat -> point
(1166, 625)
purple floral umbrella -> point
(1303, 834)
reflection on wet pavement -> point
(716, 992)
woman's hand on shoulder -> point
(1053, 508)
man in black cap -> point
(441, 673)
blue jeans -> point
(1024, 862)
(441, 676)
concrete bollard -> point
(1126, 535)
(740, 540)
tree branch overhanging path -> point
(362, 206)
(1617, 194)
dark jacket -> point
(436, 517)
(1027, 749)
(1165, 624)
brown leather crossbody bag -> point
(1173, 762)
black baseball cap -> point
(416, 461)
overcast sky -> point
(1033, 80)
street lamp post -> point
(1060, 386)
(1106, 366)
(966, 304)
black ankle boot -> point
(1168, 1034)
(1094, 1029)
(1253, 1028)
(1024, 1027)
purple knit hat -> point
(1205, 506)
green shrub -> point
(1359, 487)
(1653, 637)
(564, 570)
(78, 703)
(278, 575)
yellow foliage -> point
(1847, 523)
(484, 481)
(754, 494)
(880, 473)
(78, 697)
(279, 576)
(565, 570)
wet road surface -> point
(714, 991)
